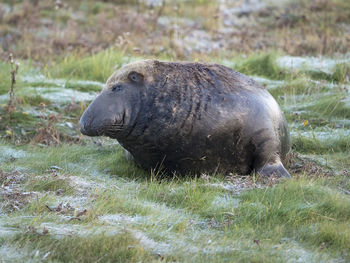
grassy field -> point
(65, 197)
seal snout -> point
(86, 128)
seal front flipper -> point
(274, 169)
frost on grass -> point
(62, 95)
(326, 65)
(268, 83)
(42, 80)
(7, 153)
(225, 202)
(295, 253)
(10, 253)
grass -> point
(34, 100)
(331, 106)
(97, 67)
(116, 248)
(86, 87)
(342, 73)
(261, 65)
(316, 216)
(50, 184)
(5, 77)
(304, 144)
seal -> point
(191, 118)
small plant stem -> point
(14, 70)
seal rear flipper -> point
(274, 169)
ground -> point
(66, 197)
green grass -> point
(313, 145)
(5, 77)
(342, 73)
(192, 195)
(331, 106)
(103, 247)
(83, 87)
(97, 67)
(50, 183)
(309, 211)
(261, 65)
(34, 100)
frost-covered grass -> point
(189, 219)
(79, 199)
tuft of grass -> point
(103, 247)
(112, 160)
(97, 67)
(341, 73)
(63, 156)
(313, 145)
(14, 124)
(34, 100)
(111, 202)
(300, 85)
(261, 65)
(193, 196)
(331, 106)
(49, 183)
(38, 206)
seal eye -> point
(117, 87)
(135, 77)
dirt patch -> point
(12, 197)
(298, 164)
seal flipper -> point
(271, 169)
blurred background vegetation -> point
(44, 30)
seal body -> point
(191, 118)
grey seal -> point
(191, 118)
